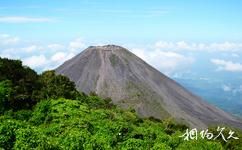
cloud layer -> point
(39, 56)
(223, 65)
(6, 40)
(182, 45)
(169, 57)
(165, 61)
(232, 89)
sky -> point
(123, 20)
(187, 39)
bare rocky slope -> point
(113, 71)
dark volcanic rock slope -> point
(112, 71)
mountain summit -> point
(113, 71)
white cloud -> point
(164, 45)
(61, 56)
(43, 63)
(31, 48)
(182, 45)
(6, 55)
(55, 47)
(6, 39)
(58, 56)
(234, 90)
(227, 65)
(163, 57)
(39, 56)
(226, 46)
(57, 59)
(165, 61)
(23, 19)
(77, 44)
(226, 88)
(19, 50)
(35, 61)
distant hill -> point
(113, 71)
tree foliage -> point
(23, 83)
(56, 86)
(24, 87)
(72, 124)
(5, 91)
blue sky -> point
(124, 20)
(176, 37)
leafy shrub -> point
(23, 115)
(161, 146)
(8, 130)
(70, 124)
(135, 144)
(41, 112)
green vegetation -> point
(5, 90)
(72, 124)
(25, 87)
(50, 114)
(56, 86)
(22, 81)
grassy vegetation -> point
(55, 116)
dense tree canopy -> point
(27, 87)
(72, 124)
(23, 81)
(56, 86)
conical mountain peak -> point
(107, 47)
(113, 71)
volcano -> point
(113, 71)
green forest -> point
(45, 111)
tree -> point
(28, 88)
(5, 91)
(56, 86)
(24, 82)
